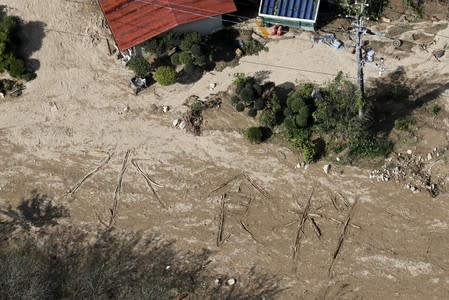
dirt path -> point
(397, 245)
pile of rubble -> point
(410, 169)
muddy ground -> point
(395, 242)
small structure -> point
(133, 22)
(291, 13)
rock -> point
(326, 168)
(2, 95)
(435, 149)
(306, 166)
(165, 108)
(217, 281)
(53, 107)
(182, 125)
(212, 86)
(409, 152)
(429, 156)
(298, 165)
(231, 281)
(386, 20)
(338, 159)
(176, 122)
(126, 108)
(167, 268)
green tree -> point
(165, 75)
(140, 66)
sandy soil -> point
(397, 247)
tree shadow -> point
(31, 38)
(70, 263)
(38, 210)
(392, 98)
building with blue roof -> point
(291, 13)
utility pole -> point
(360, 31)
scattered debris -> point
(138, 84)
(438, 54)
(53, 107)
(231, 281)
(411, 169)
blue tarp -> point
(298, 9)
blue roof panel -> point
(298, 9)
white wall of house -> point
(204, 27)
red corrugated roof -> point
(134, 21)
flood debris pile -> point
(412, 170)
(192, 120)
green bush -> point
(369, 147)
(259, 104)
(235, 100)
(140, 66)
(296, 105)
(200, 61)
(196, 51)
(189, 68)
(240, 107)
(189, 40)
(252, 112)
(165, 75)
(175, 59)
(16, 67)
(254, 135)
(247, 94)
(404, 124)
(252, 47)
(302, 118)
(309, 151)
(197, 106)
(185, 58)
(268, 118)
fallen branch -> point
(149, 182)
(257, 186)
(341, 238)
(220, 239)
(225, 183)
(134, 162)
(245, 227)
(118, 190)
(333, 220)
(302, 221)
(316, 228)
(91, 173)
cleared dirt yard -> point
(396, 248)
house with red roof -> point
(133, 22)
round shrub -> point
(247, 94)
(296, 105)
(252, 112)
(302, 118)
(189, 68)
(268, 118)
(240, 107)
(175, 59)
(235, 100)
(287, 112)
(196, 50)
(165, 75)
(308, 150)
(140, 66)
(189, 40)
(289, 122)
(254, 135)
(259, 104)
(16, 67)
(201, 60)
(185, 58)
